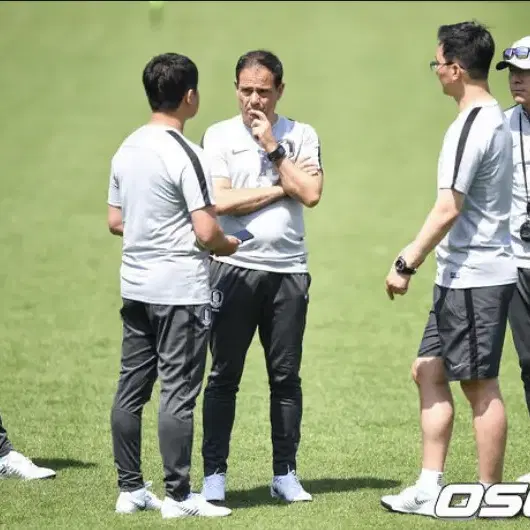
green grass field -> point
(358, 72)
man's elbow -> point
(450, 211)
(312, 199)
(208, 238)
(207, 232)
(222, 209)
(448, 214)
(116, 229)
(449, 205)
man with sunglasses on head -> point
(469, 226)
(517, 60)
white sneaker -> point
(195, 505)
(214, 487)
(412, 500)
(288, 488)
(134, 501)
(16, 465)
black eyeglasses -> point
(521, 52)
(435, 64)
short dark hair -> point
(261, 58)
(470, 44)
(167, 78)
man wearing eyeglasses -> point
(517, 60)
(469, 226)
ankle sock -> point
(430, 479)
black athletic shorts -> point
(466, 327)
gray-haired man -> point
(517, 60)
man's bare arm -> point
(438, 223)
(210, 235)
(299, 184)
(238, 202)
(114, 220)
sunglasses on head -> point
(521, 52)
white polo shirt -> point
(158, 178)
(476, 160)
(279, 243)
(519, 201)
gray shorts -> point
(466, 327)
(520, 319)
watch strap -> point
(277, 154)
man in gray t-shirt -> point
(160, 200)
(265, 169)
(470, 228)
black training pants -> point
(169, 342)
(244, 300)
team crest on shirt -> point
(216, 299)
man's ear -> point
(458, 72)
(190, 95)
(280, 90)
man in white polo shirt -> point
(160, 201)
(265, 169)
(469, 226)
(517, 60)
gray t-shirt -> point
(519, 201)
(476, 160)
(158, 178)
(279, 243)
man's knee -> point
(285, 382)
(428, 371)
(223, 381)
(132, 394)
(481, 392)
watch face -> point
(400, 264)
(277, 154)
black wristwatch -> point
(402, 267)
(277, 154)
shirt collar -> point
(525, 113)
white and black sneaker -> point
(214, 487)
(16, 465)
(413, 500)
(138, 500)
(194, 505)
(288, 488)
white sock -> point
(430, 479)
(486, 485)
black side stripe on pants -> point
(473, 343)
(462, 142)
(195, 162)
